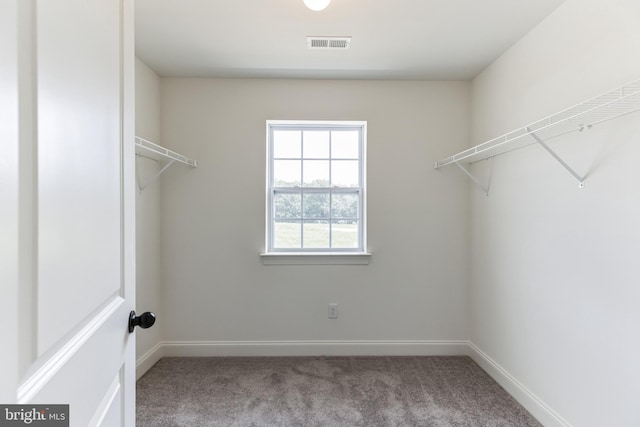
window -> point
(316, 191)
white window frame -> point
(357, 255)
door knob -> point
(145, 320)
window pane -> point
(344, 206)
(345, 173)
(316, 234)
(287, 144)
(316, 144)
(344, 234)
(286, 173)
(316, 205)
(287, 234)
(287, 206)
(316, 173)
(345, 144)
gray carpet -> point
(324, 391)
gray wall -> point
(554, 277)
(213, 217)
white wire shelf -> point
(158, 152)
(153, 151)
(610, 105)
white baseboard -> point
(297, 348)
(149, 359)
(314, 348)
(543, 413)
(526, 398)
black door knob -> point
(145, 320)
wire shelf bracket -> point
(149, 150)
(616, 103)
(474, 179)
(559, 159)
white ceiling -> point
(392, 39)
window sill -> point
(315, 258)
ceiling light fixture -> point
(317, 5)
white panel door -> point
(76, 203)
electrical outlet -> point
(333, 311)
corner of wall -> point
(148, 220)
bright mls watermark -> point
(34, 415)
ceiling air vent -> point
(331, 43)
